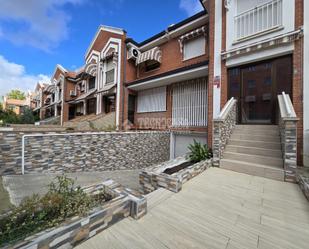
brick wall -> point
(297, 89)
(210, 6)
(83, 152)
(172, 59)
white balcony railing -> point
(260, 19)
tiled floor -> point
(217, 209)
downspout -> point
(123, 82)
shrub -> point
(199, 152)
(37, 213)
(27, 117)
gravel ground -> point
(22, 186)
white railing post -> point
(258, 19)
(23, 155)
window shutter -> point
(152, 100)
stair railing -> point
(223, 127)
(288, 136)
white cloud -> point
(39, 23)
(191, 7)
(14, 76)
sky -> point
(35, 35)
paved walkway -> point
(217, 209)
(25, 185)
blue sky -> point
(35, 35)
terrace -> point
(217, 209)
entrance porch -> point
(256, 86)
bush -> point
(37, 213)
(9, 117)
(27, 117)
(199, 152)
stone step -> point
(253, 169)
(270, 161)
(271, 132)
(254, 151)
(253, 137)
(258, 127)
(258, 144)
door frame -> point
(274, 88)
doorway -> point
(256, 87)
(131, 108)
(109, 103)
(91, 106)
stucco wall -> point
(73, 152)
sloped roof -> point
(17, 102)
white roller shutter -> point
(152, 100)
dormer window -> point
(91, 83)
(110, 71)
(82, 87)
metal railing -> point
(258, 20)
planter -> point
(78, 229)
(179, 169)
(303, 181)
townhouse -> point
(166, 82)
(181, 78)
(258, 53)
(95, 88)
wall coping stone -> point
(153, 178)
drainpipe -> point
(123, 82)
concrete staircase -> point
(90, 122)
(255, 150)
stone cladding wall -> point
(288, 135)
(222, 130)
(77, 152)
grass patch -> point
(4, 198)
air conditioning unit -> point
(133, 53)
(72, 93)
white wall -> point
(306, 83)
(217, 57)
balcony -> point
(110, 76)
(259, 20)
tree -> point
(27, 117)
(16, 94)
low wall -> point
(75, 152)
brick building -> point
(257, 54)
(166, 82)
(181, 78)
(95, 88)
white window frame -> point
(151, 100)
(196, 54)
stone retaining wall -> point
(75, 152)
(222, 130)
